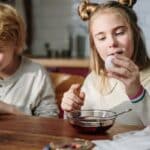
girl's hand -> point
(127, 71)
(72, 99)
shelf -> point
(48, 62)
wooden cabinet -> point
(73, 66)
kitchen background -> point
(55, 30)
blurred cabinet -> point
(72, 66)
(11, 2)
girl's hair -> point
(89, 11)
(12, 27)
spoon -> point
(115, 115)
(128, 110)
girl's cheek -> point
(1, 57)
(100, 49)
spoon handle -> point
(123, 112)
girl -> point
(25, 87)
(125, 84)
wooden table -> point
(32, 133)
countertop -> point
(60, 62)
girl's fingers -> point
(70, 105)
(72, 100)
(82, 95)
(75, 88)
(120, 78)
(122, 61)
(119, 71)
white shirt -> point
(30, 89)
(115, 99)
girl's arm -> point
(142, 107)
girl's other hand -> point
(72, 99)
(127, 71)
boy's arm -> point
(9, 109)
(46, 105)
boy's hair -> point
(12, 27)
(89, 11)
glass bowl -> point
(92, 121)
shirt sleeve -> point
(143, 108)
(46, 104)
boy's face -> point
(111, 34)
(7, 53)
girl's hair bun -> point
(86, 9)
(129, 3)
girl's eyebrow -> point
(120, 27)
(116, 28)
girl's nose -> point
(112, 42)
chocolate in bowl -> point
(92, 121)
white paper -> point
(134, 140)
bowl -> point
(92, 121)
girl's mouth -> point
(120, 52)
(117, 52)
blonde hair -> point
(12, 27)
(88, 11)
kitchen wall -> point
(57, 27)
(51, 20)
(143, 12)
(54, 20)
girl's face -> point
(7, 60)
(111, 35)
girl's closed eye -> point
(101, 38)
(120, 32)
